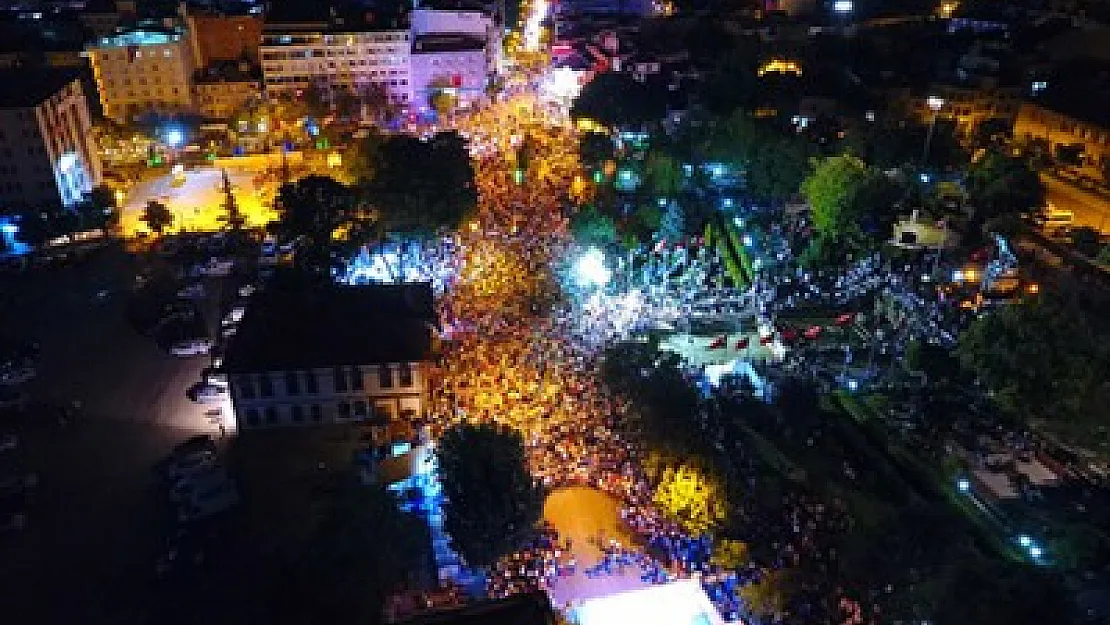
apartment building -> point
(455, 63)
(143, 69)
(1087, 135)
(296, 56)
(332, 354)
(47, 157)
(224, 87)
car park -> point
(191, 347)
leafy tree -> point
(690, 497)
(441, 96)
(326, 219)
(157, 216)
(833, 191)
(663, 174)
(1040, 358)
(595, 149)
(97, 209)
(36, 227)
(672, 226)
(424, 186)
(730, 554)
(998, 183)
(899, 144)
(997, 593)
(616, 99)
(232, 216)
(362, 545)
(767, 597)
(1086, 240)
(774, 163)
(592, 228)
(1104, 255)
(492, 503)
(361, 161)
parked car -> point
(191, 347)
(185, 489)
(13, 512)
(209, 502)
(204, 393)
(192, 291)
(247, 290)
(233, 316)
(184, 466)
(195, 444)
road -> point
(197, 202)
(1090, 209)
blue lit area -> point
(397, 263)
(139, 37)
(8, 231)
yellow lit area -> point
(946, 9)
(780, 66)
(585, 124)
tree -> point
(595, 149)
(1000, 593)
(36, 227)
(998, 183)
(232, 216)
(1104, 255)
(1039, 358)
(591, 228)
(326, 219)
(616, 99)
(672, 227)
(442, 97)
(690, 497)
(424, 186)
(362, 545)
(492, 503)
(832, 190)
(157, 216)
(361, 161)
(97, 209)
(1086, 240)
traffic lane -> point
(1090, 209)
(91, 355)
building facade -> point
(224, 37)
(334, 354)
(965, 106)
(143, 70)
(223, 88)
(476, 24)
(299, 57)
(47, 156)
(456, 64)
(1061, 131)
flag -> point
(766, 340)
(719, 342)
(813, 332)
(788, 334)
(742, 343)
(845, 319)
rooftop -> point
(301, 327)
(446, 43)
(140, 36)
(35, 85)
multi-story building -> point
(334, 354)
(223, 87)
(297, 56)
(1086, 135)
(143, 69)
(47, 157)
(473, 23)
(964, 106)
(219, 37)
(454, 63)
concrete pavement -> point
(1090, 208)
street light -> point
(935, 104)
(843, 7)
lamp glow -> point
(175, 137)
(590, 269)
(843, 6)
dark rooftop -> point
(446, 43)
(523, 609)
(25, 88)
(296, 328)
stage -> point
(677, 603)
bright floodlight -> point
(842, 6)
(1035, 552)
(175, 137)
(1025, 541)
(682, 602)
(935, 103)
(963, 484)
(590, 269)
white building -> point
(335, 354)
(464, 22)
(457, 64)
(143, 70)
(298, 56)
(47, 155)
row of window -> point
(312, 413)
(305, 382)
(145, 93)
(344, 39)
(319, 53)
(133, 53)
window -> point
(405, 373)
(385, 376)
(356, 378)
(315, 413)
(343, 410)
(251, 417)
(310, 383)
(271, 415)
(246, 388)
(265, 385)
(360, 409)
(340, 378)
(298, 414)
(292, 383)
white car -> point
(247, 290)
(193, 291)
(191, 464)
(234, 316)
(217, 267)
(193, 347)
(228, 332)
(206, 393)
(208, 502)
(186, 489)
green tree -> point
(361, 161)
(592, 228)
(616, 99)
(424, 186)
(663, 174)
(362, 545)
(1103, 257)
(1039, 358)
(832, 191)
(157, 216)
(998, 183)
(232, 217)
(691, 497)
(97, 209)
(594, 149)
(327, 221)
(492, 503)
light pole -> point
(935, 104)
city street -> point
(1090, 209)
